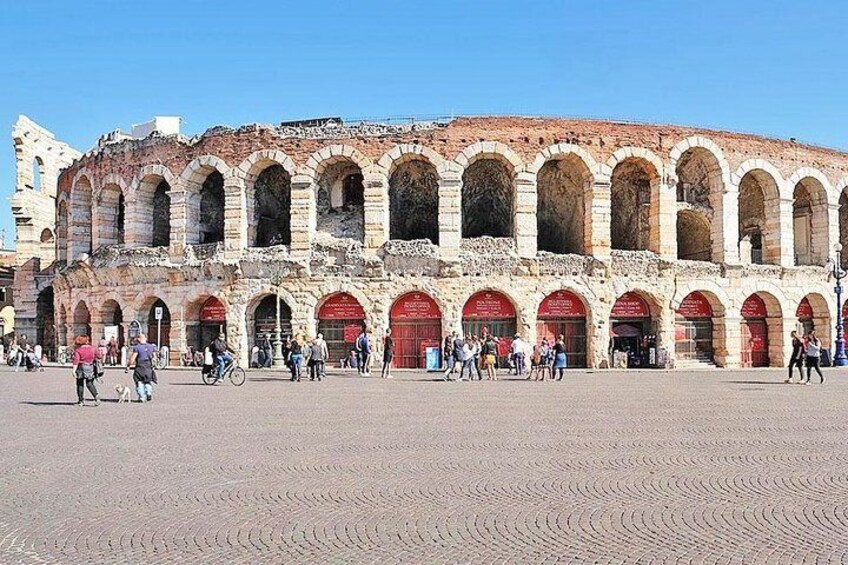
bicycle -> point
(232, 371)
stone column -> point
(525, 214)
(828, 213)
(179, 223)
(778, 240)
(598, 219)
(663, 218)
(376, 186)
(235, 218)
(450, 213)
(779, 326)
(303, 216)
(237, 331)
(178, 331)
(732, 341)
(725, 227)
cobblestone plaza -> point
(605, 467)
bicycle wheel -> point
(237, 376)
(208, 377)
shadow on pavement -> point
(755, 382)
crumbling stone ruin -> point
(702, 246)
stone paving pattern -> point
(718, 467)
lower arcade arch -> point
(489, 312)
(416, 323)
(341, 319)
(762, 331)
(563, 313)
(633, 327)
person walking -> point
(84, 370)
(296, 357)
(324, 355)
(141, 360)
(813, 354)
(363, 353)
(113, 352)
(560, 359)
(449, 354)
(490, 356)
(317, 358)
(455, 357)
(516, 349)
(797, 358)
(388, 355)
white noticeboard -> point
(110, 332)
(158, 313)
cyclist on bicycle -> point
(221, 350)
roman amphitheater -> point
(670, 244)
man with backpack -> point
(363, 353)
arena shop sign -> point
(213, 311)
(341, 306)
(488, 305)
(562, 304)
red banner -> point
(562, 304)
(351, 332)
(630, 305)
(754, 307)
(805, 310)
(695, 305)
(489, 305)
(415, 306)
(213, 311)
(341, 306)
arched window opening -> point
(162, 215)
(630, 227)
(414, 202)
(62, 232)
(121, 218)
(110, 216)
(693, 236)
(37, 173)
(810, 223)
(82, 320)
(45, 320)
(272, 207)
(487, 199)
(340, 201)
(81, 218)
(759, 219)
(560, 214)
(212, 209)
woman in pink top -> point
(84, 370)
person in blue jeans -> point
(363, 352)
(221, 350)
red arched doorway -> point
(211, 321)
(491, 312)
(340, 319)
(563, 313)
(633, 330)
(755, 341)
(693, 330)
(416, 323)
(804, 314)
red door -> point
(755, 343)
(416, 322)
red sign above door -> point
(213, 311)
(695, 306)
(754, 307)
(415, 306)
(490, 305)
(341, 306)
(630, 305)
(562, 304)
(805, 310)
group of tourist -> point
(22, 353)
(805, 351)
(88, 366)
(477, 354)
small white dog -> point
(123, 393)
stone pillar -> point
(663, 218)
(235, 218)
(598, 219)
(825, 222)
(304, 217)
(732, 341)
(237, 331)
(666, 331)
(778, 240)
(525, 214)
(779, 326)
(725, 227)
(178, 331)
(376, 186)
(450, 213)
(598, 340)
(179, 224)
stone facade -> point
(624, 209)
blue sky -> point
(85, 67)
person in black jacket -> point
(797, 358)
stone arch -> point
(810, 216)
(841, 192)
(634, 199)
(45, 320)
(38, 174)
(702, 175)
(719, 302)
(339, 191)
(82, 319)
(821, 320)
(523, 320)
(149, 217)
(405, 152)
(759, 194)
(110, 212)
(254, 315)
(693, 235)
(563, 191)
(413, 198)
(267, 182)
(773, 319)
(488, 183)
(62, 230)
(80, 215)
(203, 184)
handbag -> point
(99, 369)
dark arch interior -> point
(265, 318)
(162, 215)
(45, 329)
(212, 209)
(487, 199)
(560, 211)
(693, 236)
(414, 202)
(272, 207)
(630, 206)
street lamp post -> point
(839, 358)
(279, 362)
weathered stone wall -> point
(502, 165)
